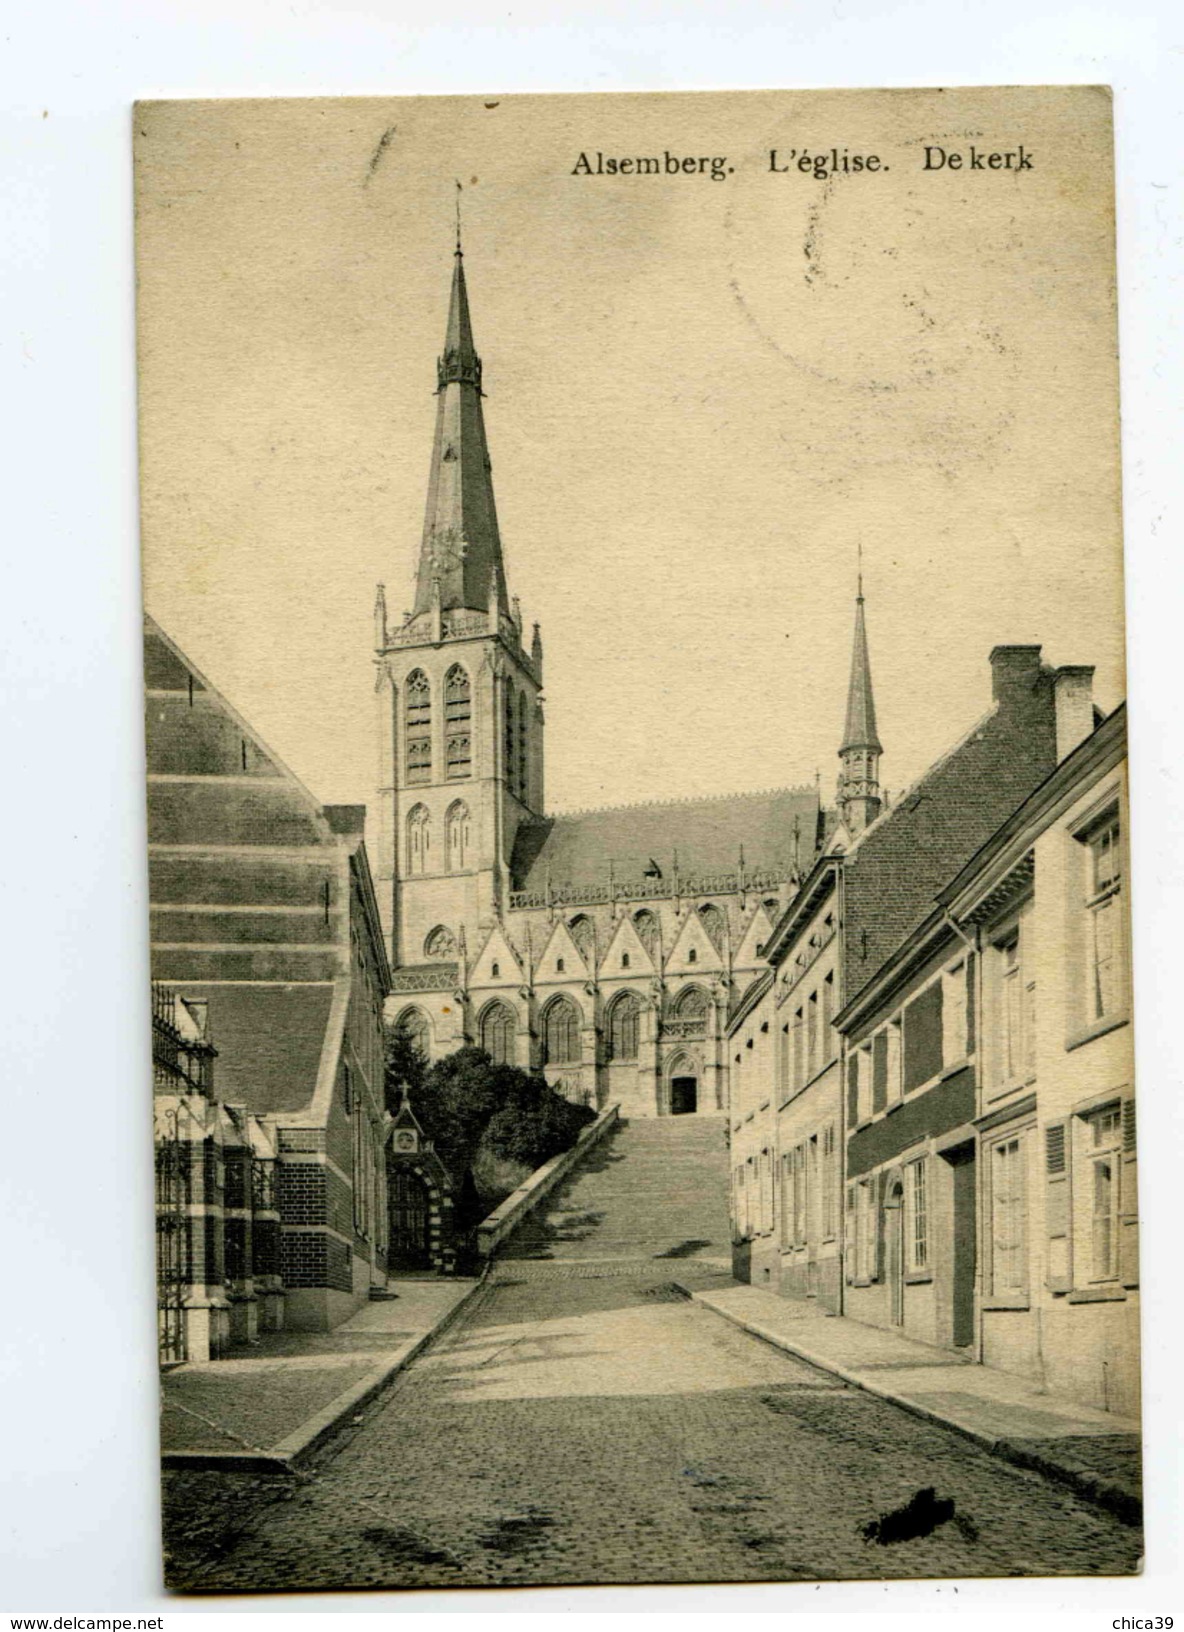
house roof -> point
(894, 870)
(778, 830)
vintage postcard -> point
(636, 751)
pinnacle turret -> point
(859, 754)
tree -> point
(404, 1065)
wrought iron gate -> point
(172, 1239)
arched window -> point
(693, 955)
(714, 923)
(582, 934)
(691, 1009)
(497, 1033)
(523, 741)
(458, 712)
(441, 943)
(624, 960)
(646, 925)
(419, 840)
(624, 1016)
(511, 748)
(561, 1032)
(413, 1024)
(457, 836)
(418, 704)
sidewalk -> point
(269, 1405)
(1095, 1453)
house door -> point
(684, 1095)
(410, 1214)
(962, 1162)
(894, 1252)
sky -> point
(704, 397)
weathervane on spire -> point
(459, 251)
(859, 569)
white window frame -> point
(1007, 1220)
(1104, 1153)
(863, 1082)
(830, 1183)
(917, 1209)
(1104, 903)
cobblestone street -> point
(585, 1423)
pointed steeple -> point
(461, 549)
(859, 754)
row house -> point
(831, 1103)
(217, 1227)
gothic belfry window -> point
(523, 739)
(458, 711)
(419, 840)
(419, 727)
(511, 752)
(457, 836)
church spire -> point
(859, 753)
(461, 549)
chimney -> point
(1073, 694)
(1014, 671)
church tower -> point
(459, 695)
(859, 756)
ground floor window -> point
(1104, 1159)
(865, 1230)
(830, 1184)
(1009, 1234)
(916, 1203)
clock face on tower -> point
(405, 1141)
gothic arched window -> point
(523, 740)
(714, 923)
(418, 706)
(511, 749)
(497, 1033)
(441, 943)
(457, 836)
(419, 840)
(691, 1008)
(458, 714)
(413, 1025)
(624, 1017)
(582, 935)
(646, 925)
(561, 1032)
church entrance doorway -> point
(684, 1095)
(410, 1214)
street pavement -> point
(582, 1421)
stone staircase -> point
(655, 1188)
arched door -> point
(410, 1246)
(894, 1250)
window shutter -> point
(852, 1089)
(879, 1191)
(922, 1037)
(1057, 1208)
(1128, 1223)
(849, 1247)
(880, 1071)
(970, 1003)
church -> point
(606, 948)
